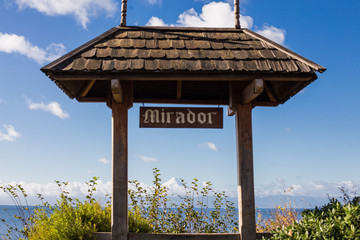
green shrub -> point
(196, 213)
(70, 219)
(138, 224)
(334, 220)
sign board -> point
(176, 117)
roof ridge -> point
(195, 29)
(287, 51)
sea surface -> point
(8, 212)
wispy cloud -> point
(81, 10)
(146, 159)
(209, 145)
(219, 14)
(2, 101)
(153, 2)
(12, 43)
(288, 129)
(10, 135)
(104, 161)
(52, 107)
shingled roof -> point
(145, 53)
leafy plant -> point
(335, 220)
(192, 215)
(283, 215)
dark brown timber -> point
(237, 14)
(119, 221)
(246, 198)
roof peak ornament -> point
(123, 13)
(237, 14)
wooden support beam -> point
(252, 90)
(178, 89)
(87, 88)
(154, 76)
(234, 97)
(116, 90)
(270, 92)
(238, 95)
(181, 101)
(180, 236)
(246, 195)
(119, 210)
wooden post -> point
(123, 13)
(246, 196)
(237, 14)
(119, 210)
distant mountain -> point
(175, 186)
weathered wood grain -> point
(119, 210)
(246, 196)
(181, 236)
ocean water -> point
(8, 212)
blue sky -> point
(311, 143)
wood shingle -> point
(232, 53)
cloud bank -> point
(52, 107)
(12, 43)
(81, 10)
(76, 189)
(219, 14)
(10, 135)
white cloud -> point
(12, 43)
(52, 107)
(82, 10)
(219, 14)
(155, 21)
(273, 33)
(10, 135)
(2, 101)
(288, 129)
(209, 145)
(104, 161)
(146, 159)
(214, 14)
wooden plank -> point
(154, 76)
(173, 117)
(246, 195)
(88, 87)
(252, 90)
(181, 101)
(178, 89)
(119, 210)
(180, 236)
(116, 90)
(91, 99)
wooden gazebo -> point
(221, 66)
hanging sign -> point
(173, 117)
